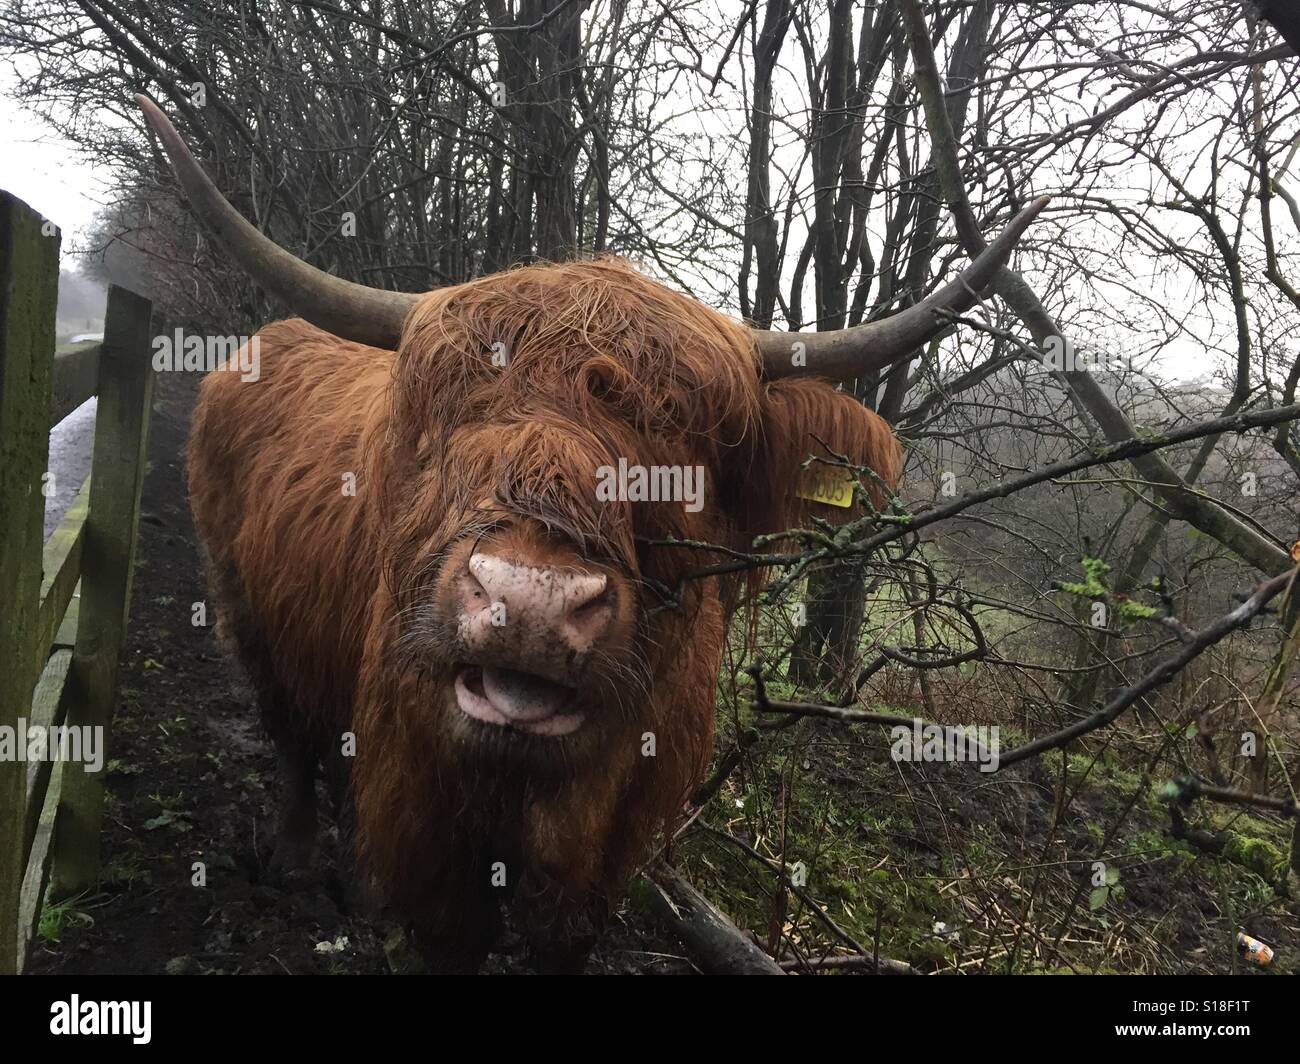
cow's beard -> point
(436, 787)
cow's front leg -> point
(455, 950)
(295, 845)
(560, 928)
(459, 928)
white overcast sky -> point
(41, 168)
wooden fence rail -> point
(63, 601)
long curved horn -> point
(352, 311)
(843, 354)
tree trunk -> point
(826, 650)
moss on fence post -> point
(108, 556)
(29, 285)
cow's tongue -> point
(521, 696)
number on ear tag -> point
(834, 487)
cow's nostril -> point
(590, 614)
(589, 593)
(473, 595)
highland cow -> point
(406, 542)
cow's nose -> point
(574, 607)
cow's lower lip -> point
(554, 717)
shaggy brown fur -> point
(332, 600)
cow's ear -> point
(802, 418)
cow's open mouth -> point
(521, 700)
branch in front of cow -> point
(824, 540)
(1161, 674)
(857, 472)
(671, 598)
(1239, 423)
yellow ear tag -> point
(834, 487)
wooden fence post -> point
(29, 285)
(108, 556)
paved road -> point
(71, 443)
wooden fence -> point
(63, 601)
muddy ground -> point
(191, 778)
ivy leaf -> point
(168, 818)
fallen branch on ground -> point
(863, 961)
(1254, 855)
(714, 942)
